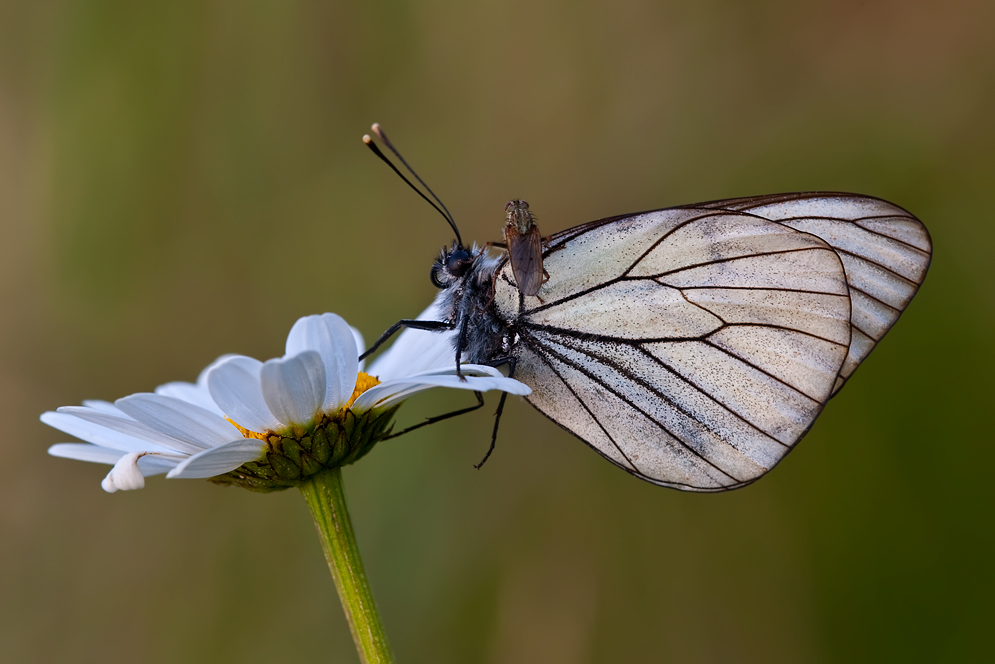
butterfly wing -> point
(885, 250)
(691, 346)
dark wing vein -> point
(761, 290)
(702, 307)
(865, 333)
(609, 282)
(574, 296)
(621, 369)
(777, 327)
(663, 238)
(751, 202)
(876, 264)
(736, 258)
(894, 239)
(669, 369)
(677, 374)
(761, 370)
(856, 223)
(624, 398)
(588, 336)
(540, 353)
(879, 301)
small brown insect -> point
(524, 247)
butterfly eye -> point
(458, 262)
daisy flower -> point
(266, 425)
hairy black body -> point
(468, 297)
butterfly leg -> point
(439, 418)
(461, 344)
(511, 362)
(430, 325)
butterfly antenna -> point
(386, 141)
(373, 146)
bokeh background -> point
(179, 180)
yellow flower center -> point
(331, 440)
(364, 382)
(245, 432)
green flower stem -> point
(323, 492)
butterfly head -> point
(452, 265)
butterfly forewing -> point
(627, 309)
(885, 251)
(697, 348)
(599, 253)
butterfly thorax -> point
(467, 301)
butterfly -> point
(691, 346)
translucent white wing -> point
(885, 251)
(692, 346)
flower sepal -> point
(292, 459)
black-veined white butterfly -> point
(691, 346)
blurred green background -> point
(180, 180)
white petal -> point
(98, 435)
(125, 475)
(117, 432)
(195, 394)
(86, 452)
(104, 407)
(450, 370)
(389, 393)
(150, 464)
(357, 336)
(155, 463)
(179, 419)
(235, 386)
(202, 377)
(294, 387)
(220, 460)
(417, 350)
(335, 341)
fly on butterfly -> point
(524, 243)
(691, 346)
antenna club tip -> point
(367, 139)
(377, 130)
